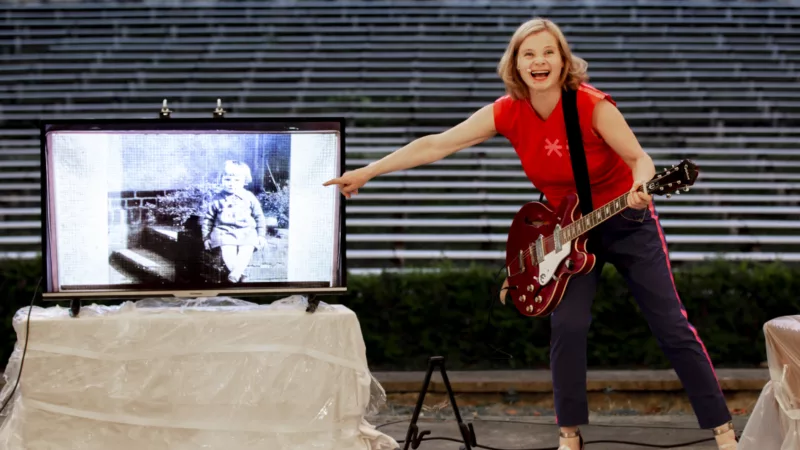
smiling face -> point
(539, 62)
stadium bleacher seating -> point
(714, 81)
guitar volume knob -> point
(531, 288)
(538, 299)
(529, 308)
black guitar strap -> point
(579, 168)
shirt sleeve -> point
(258, 215)
(504, 117)
(588, 98)
(209, 217)
(592, 96)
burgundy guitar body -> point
(546, 248)
(536, 287)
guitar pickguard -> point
(548, 267)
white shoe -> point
(576, 434)
(722, 430)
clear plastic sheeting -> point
(774, 423)
(215, 373)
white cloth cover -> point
(773, 424)
(169, 374)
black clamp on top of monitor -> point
(219, 113)
(166, 113)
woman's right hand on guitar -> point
(503, 292)
(351, 180)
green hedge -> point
(405, 318)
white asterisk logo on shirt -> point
(552, 147)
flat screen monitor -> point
(192, 207)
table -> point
(215, 373)
(775, 420)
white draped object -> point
(183, 375)
(774, 423)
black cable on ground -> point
(683, 444)
(24, 349)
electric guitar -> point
(545, 248)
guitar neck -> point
(595, 218)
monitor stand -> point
(74, 307)
(313, 302)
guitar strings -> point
(549, 241)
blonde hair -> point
(237, 168)
(572, 75)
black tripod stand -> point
(413, 436)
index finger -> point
(333, 181)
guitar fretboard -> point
(594, 218)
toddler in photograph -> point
(234, 221)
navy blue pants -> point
(633, 241)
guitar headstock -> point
(680, 177)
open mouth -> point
(540, 75)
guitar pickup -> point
(557, 238)
(540, 249)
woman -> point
(536, 67)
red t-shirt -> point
(542, 148)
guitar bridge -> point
(521, 262)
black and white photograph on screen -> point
(200, 209)
(191, 209)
